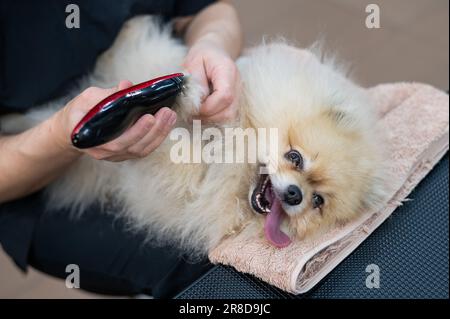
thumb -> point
(124, 84)
(100, 94)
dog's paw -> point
(190, 100)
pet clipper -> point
(117, 112)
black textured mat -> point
(410, 248)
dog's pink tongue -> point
(272, 226)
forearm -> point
(219, 25)
(31, 160)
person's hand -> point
(219, 76)
(136, 142)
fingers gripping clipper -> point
(117, 112)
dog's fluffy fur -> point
(317, 110)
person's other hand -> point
(219, 76)
(136, 142)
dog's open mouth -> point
(265, 201)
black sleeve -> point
(187, 8)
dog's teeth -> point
(261, 203)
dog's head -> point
(328, 167)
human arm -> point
(34, 158)
(214, 37)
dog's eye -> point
(295, 157)
(317, 201)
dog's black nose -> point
(293, 195)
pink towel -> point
(415, 118)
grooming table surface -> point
(410, 248)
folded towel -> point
(415, 118)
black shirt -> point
(40, 57)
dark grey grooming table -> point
(410, 248)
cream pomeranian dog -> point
(329, 159)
